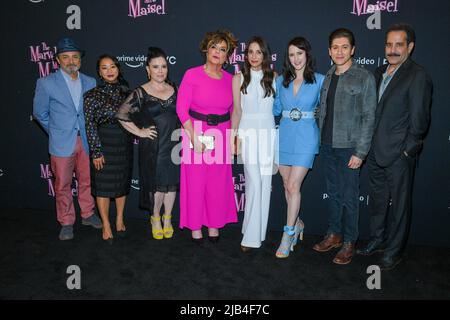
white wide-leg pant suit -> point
(257, 133)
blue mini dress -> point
(298, 141)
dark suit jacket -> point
(403, 113)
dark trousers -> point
(343, 192)
(390, 222)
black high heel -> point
(197, 241)
(213, 239)
(121, 233)
(109, 240)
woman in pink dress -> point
(204, 105)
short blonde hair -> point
(216, 37)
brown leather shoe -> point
(345, 255)
(329, 242)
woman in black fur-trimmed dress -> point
(150, 113)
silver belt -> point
(295, 114)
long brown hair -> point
(289, 71)
(268, 74)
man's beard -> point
(71, 69)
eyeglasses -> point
(221, 49)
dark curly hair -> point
(155, 52)
(215, 37)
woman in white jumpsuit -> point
(252, 118)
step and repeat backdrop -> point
(126, 28)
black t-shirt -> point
(327, 131)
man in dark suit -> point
(402, 117)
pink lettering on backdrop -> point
(44, 56)
(361, 7)
(139, 8)
(239, 191)
(238, 56)
(46, 174)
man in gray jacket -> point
(346, 121)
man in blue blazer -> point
(58, 106)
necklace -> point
(211, 74)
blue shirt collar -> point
(67, 76)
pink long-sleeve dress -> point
(206, 180)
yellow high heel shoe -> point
(157, 233)
(168, 231)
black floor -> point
(34, 262)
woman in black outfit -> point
(152, 107)
(110, 146)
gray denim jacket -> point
(354, 109)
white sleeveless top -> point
(256, 109)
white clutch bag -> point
(208, 141)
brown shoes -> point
(329, 242)
(345, 255)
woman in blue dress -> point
(298, 90)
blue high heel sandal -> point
(299, 227)
(287, 242)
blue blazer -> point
(298, 136)
(54, 109)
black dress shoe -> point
(389, 263)
(372, 247)
(213, 239)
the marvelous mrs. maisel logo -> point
(47, 175)
(139, 8)
(44, 56)
(238, 56)
(363, 7)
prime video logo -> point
(140, 60)
(363, 199)
(135, 184)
